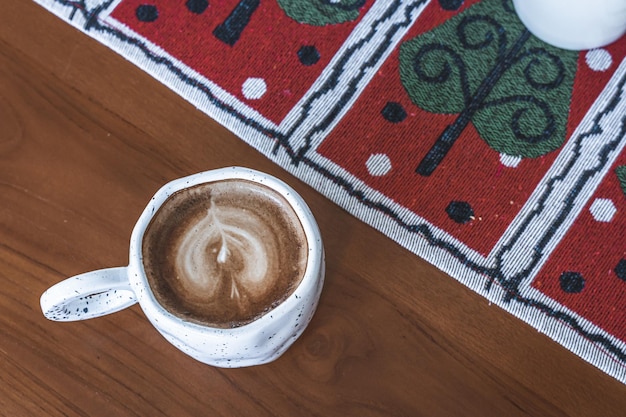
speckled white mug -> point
(105, 291)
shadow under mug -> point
(263, 340)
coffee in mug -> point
(224, 253)
(228, 265)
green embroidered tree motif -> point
(322, 12)
(311, 12)
(485, 66)
(621, 176)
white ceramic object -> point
(105, 291)
(574, 24)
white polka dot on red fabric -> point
(510, 161)
(254, 88)
(598, 59)
(603, 210)
(378, 164)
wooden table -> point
(86, 138)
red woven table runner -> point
(444, 124)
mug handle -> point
(88, 295)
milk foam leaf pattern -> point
(486, 67)
(219, 253)
(322, 12)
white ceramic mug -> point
(105, 291)
(574, 24)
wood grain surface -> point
(86, 138)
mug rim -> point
(137, 275)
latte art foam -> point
(224, 253)
(226, 249)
